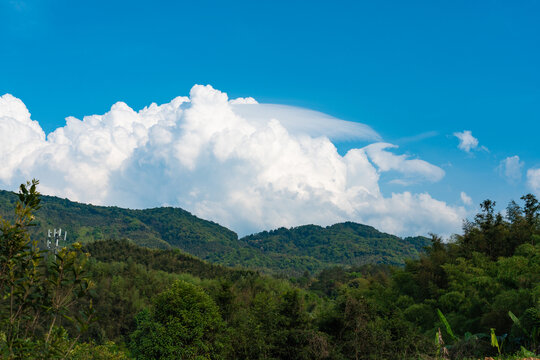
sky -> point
(404, 116)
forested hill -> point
(164, 227)
(290, 251)
(345, 243)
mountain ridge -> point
(295, 250)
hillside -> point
(163, 228)
(290, 251)
(345, 243)
(166, 260)
(113, 299)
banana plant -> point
(447, 325)
(495, 340)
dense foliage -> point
(476, 295)
(184, 323)
(284, 251)
(340, 244)
(38, 293)
(157, 228)
(170, 261)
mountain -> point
(172, 261)
(340, 244)
(289, 251)
(163, 228)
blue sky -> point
(415, 72)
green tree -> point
(184, 323)
(39, 294)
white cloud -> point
(299, 121)
(387, 161)
(466, 199)
(19, 136)
(243, 101)
(246, 171)
(417, 137)
(533, 180)
(510, 169)
(467, 142)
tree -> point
(184, 323)
(37, 293)
(531, 210)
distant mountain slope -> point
(294, 250)
(163, 228)
(345, 243)
(167, 260)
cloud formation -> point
(533, 180)
(510, 169)
(250, 169)
(466, 199)
(467, 142)
(303, 121)
(410, 168)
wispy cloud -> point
(533, 180)
(467, 142)
(466, 199)
(300, 121)
(511, 169)
(411, 168)
(203, 154)
(419, 137)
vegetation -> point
(184, 323)
(340, 244)
(39, 294)
(474, 296)
(283, 251)
(158, 228)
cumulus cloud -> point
(510, 169)
(19, 136)
(467, 142)
(533, 180)
(466, 199)
(248, 170)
